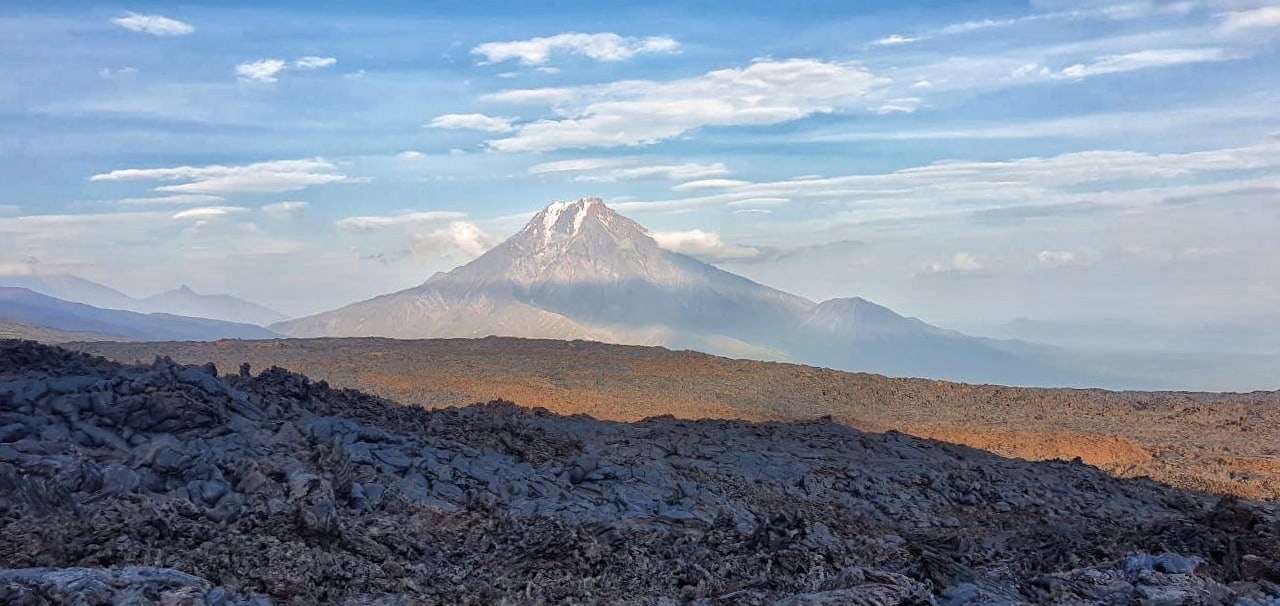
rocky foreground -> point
(167, 484)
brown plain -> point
(1225, 443)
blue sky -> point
(965, 162)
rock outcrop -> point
(164, 483)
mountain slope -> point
(34, 309)
(75, 289)
(579, 270)
(186, 302)
(180, 301)
(14, 330)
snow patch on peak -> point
(555, 212)
(580, 217)
(552, 213)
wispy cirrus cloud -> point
(174, 200)
(1114, 179)
(370, 223)
(710, 184)
(1114, 64)
(156, 25)
(895, 40)
(628, 169)
(600, 47)
(288, 209)
(641, 112)
(207, 213)
(481, 122)
(267, 177)
(1251, 20)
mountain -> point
(180, 301)
(1258, 335)
(73, 288)
(184, 301)
(14, 330)
(579, 270)
(27, 307)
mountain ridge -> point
(181, 301)
(30, 308)
(580, 270)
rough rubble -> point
(168, 484)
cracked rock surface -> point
(169, 484)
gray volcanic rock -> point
(275, 488)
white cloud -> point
(1060, 258)
(601, 47)
(1121, 63)
(627, 169)
(904, 106)
(208, 212)
(285, 210)
(269, 70)
(107, 73)
(704, 245)
(710, 184)
(757, 202)
(74, 228)
(263, 177)
(1099, 125)
(174, 200)
(411, 155)
(263, 70)
(18, 268)
(459, 236)
(1128, 62)
(1031, 70)
(1261, 18)
(311, 62)
(156, 25)
(1107, 178)
(376, 222)
(492, 124)
(640, 112)
(1075, 10)
(960, 263)
(895, 40)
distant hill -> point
(579, 270)
(181, 301)
(14, 330)
(23, 306)
(74, 289)
(187, 302)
